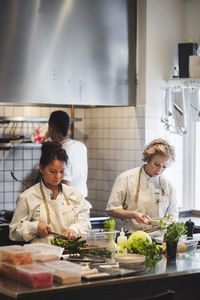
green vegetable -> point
(75, 244)
(151, 250)
(109, 225)
(173, 231)
(132, 240)
(103, 252)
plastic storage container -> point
(16, 255)
(8, 270)
(42, 252)
(65, 272)
(35, 276)
(187, 246)
(98, 239)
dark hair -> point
(59, 121)
(51, 151)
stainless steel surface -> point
(5, 120)
(68, 52)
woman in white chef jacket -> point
(143, 193)
(50, 205)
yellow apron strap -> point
(138, 186)
(66, 198)
(45, 203)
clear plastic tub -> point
(8, 270)
(65, 272)
(35, 276)
(98, 239)
(16, 255)
(187, 246)
(42, 252)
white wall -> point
(163, 30)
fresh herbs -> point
(103, 252)
(75, 244)
(173, 231)
(151, 250)
(109, 225)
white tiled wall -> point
(115, 141)
(23, 161)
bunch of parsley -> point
(151, 250)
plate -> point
(129, 258)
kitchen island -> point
(181, 276)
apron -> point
(58, 213)
(151, 201)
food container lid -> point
(101, 232)
(189, 240)
(11, 247)
(63, 265)
(44, 249)
(33, 269)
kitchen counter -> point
(181, 276)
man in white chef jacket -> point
(76, 171)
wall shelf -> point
(4, 120)
(184, 82)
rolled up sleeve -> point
(82, 224)
(118, 194)
(21, 228)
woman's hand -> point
(70, 234)
(141, 218)
(43, 228)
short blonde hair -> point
(158, 147)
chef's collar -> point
(67, 139)
(49, 191)
(149, 178)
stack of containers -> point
(11, 257)
(17, 263)
(65, 272)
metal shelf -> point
(4, 120)
(184, 82)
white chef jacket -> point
(76, 171)
(151, 200)
(31, 209)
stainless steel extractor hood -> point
(68, 52)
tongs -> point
(58, 235)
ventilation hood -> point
(68, 52)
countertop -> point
(182, 276)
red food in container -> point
(8, 270)
(35, 276)
(16, 256)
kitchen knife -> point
(61, 236)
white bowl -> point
(129, 258)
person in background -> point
(49, 205)
(77, 167)
(143, 193)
